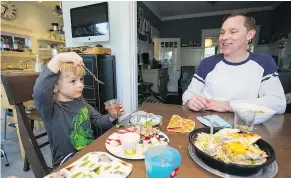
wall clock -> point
(8, 10)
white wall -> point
(122, 24)
(32, 19)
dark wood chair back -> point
(19, 89)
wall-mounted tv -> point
(90, 23)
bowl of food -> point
(232, 151)
(146, 120)
(261, 113)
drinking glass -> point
(162, 162)
(244, 119)
(113, 106)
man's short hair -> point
(250, 22)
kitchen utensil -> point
(98, 81)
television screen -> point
(90, 21)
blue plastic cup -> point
(162, 162)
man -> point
(236, 74)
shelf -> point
(44, 49)
(144, 43)
(16, 54)
(51, 41)
(191, 47)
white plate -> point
(118, 150)
(106, 164)
(268, 171)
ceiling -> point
(177, 8)
(50, 4)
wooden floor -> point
(12, 150)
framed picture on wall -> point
(140, 12)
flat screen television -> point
(90, 23)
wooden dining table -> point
(276, 131)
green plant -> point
(4, 40)
(18, 42)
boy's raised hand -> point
(55, 63)
(71, 57)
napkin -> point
(218, 120)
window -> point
(209, 52)
(14, 42)
(6, 41)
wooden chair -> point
(34, 116)
(19, 89)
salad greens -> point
(148, 123)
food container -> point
(231, 168)
(129, 142)
(149, 119)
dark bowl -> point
(231, 168)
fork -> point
(98, 81)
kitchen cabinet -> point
(159, 79)
(103, 67)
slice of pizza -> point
(187, 126)
(175, 122)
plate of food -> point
(261, 113)
(132, 142)
(232, 151)
(95, 165)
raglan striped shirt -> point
(254, 80)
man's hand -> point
(219, 106)
(197, 103)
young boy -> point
(69, 119)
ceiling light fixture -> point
(208, 42)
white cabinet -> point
(191, 56)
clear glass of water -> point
(244, 119)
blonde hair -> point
(68, 68)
